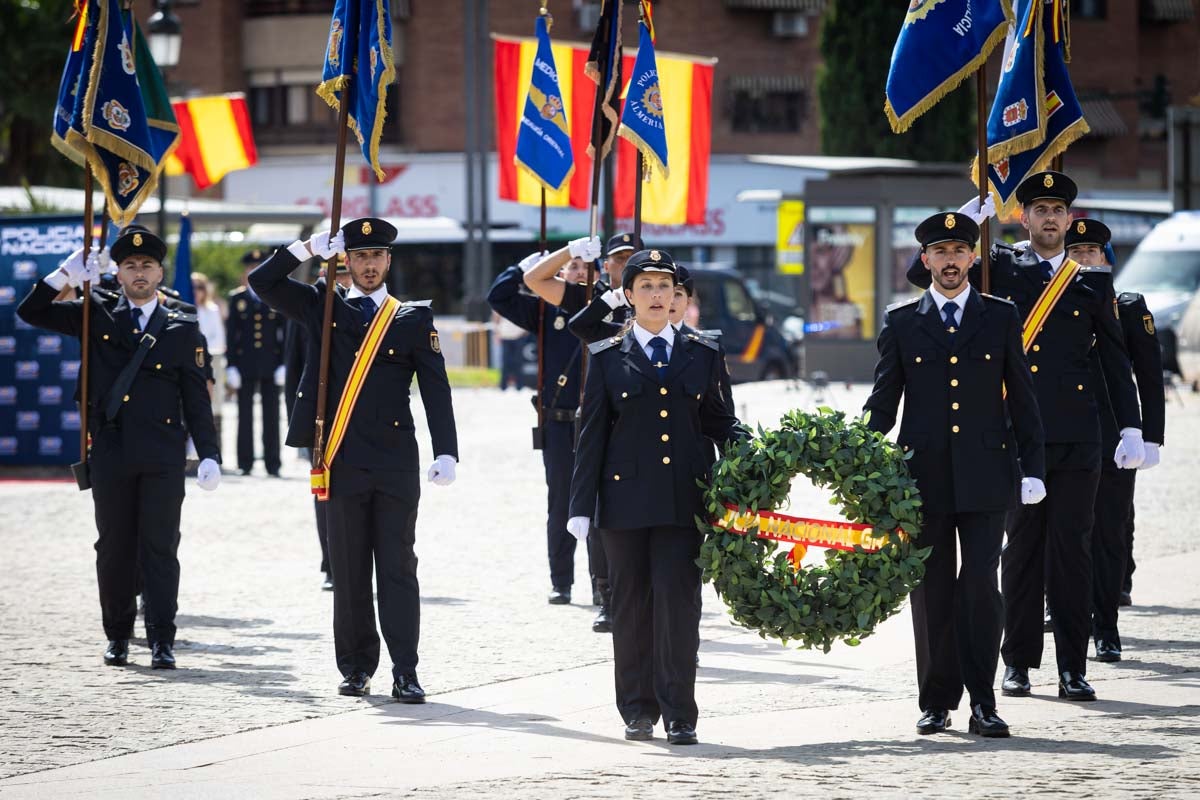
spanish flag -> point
(686, 83)
(215, 138)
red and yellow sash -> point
(1053, 292)
(319, 477)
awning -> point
(1102, 117)
(768, 83)
(807, 6)
(1167, 10)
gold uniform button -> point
(953, 359)
(299, 394)
(666, 459)
(257, 326)
(158, 366)
(258, 316)
(335, 324)
(663, 413)
(666, 437)
(697, 397)
(391, 351)
(624, 395)
(1079, 387)
(616, 477)
(258, 344)
(918, 359)
(663, 390)
(125, 399)
(395, 423)
(954, 406)
(106, 337)
(1033, 368)
(168, 420)
(1075, 313)
(954, 381)
(1037, 348)
(987, 356)
(955, 429)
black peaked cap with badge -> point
(647, 261)
(369, 233)
(1087, 231)
(1047, 185)
(684, 278)
(254, 257)
(136, 240)
(622, 242)
(948, 226)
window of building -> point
(285, 109)
(271, 8)
(1089, 9)
(767, 104)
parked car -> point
(755, 345)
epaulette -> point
(712, 333)
(996, 299)
(169, 291)
(604, 344)
(107, 294)
(1103, 269)
(238, 290)
(1130, 298)
(181, 316)
(1006, 246)
(902, 303)
(711, 344)
(418, 303)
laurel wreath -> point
(851, 592)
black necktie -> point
(367, 306)
(1047, 270)
(658, 351)
(948, 314)
(135, 315)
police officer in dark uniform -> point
(145, 380)
(559, 397)
(1049, 547)
(543, 280)
(1085, 241)
(254, 351)
(374, 483)
(653, 403)
(950, 354)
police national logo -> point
(551, 107)
(1080, 227)
(137, 240)
(435, 344)
(334, 54)
(116, 115)
(919, 9)
(366, 229)
(127, 179)
(950, 222)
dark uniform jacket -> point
(169, 389)
(1141, 340)
(562, 350)
(295, 346)
(253, 336)
(964, 454)
(381, 434)
(111, 290)
(644, 442)
(1067, 395)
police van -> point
(1165, 268)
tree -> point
(856, 48)
(37, 34)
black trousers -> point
(270, 418)
(1049, 552)
(1130, 566)
(1110, 549)
(137, 519)
(656, 621)
(322, 532)
(598, 567)
(372, 521)
(958, 614)
(558, 457)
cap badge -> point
(1048, 181)
(137, 240)
(1080, 227)
(366, 229)
(950, 221)
(625, 238)
(655, 255)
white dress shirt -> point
(959, 301)
(644, 336)
(147, 310)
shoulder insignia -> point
(1105, 269)
(418, 303)
(1148, 323)
(996, 299)
(604, 344)
(711, 344)
(901, 304)
(182, 317)
(435, 344)
(711, 333)
(238, 290)
(1003, 246)
(1129, 298)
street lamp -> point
(166, 39)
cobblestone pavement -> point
(255, 644)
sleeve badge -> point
(435, 344)
(1148, 323)
(200, 357)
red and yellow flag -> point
(215, 138)
(687, 84)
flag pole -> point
(339, 175)
(638, 179)
(88, 220)
(597, 163)
(985, 238)
(541, 332)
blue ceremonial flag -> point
(543, 140)
(941, 43)
(1039, 72)
(359, 56)
(183, 261)
(68, 136)
(642, 119)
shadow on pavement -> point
(445, 714)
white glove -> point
(973, 210)
(1131, 451)
(325, 247)
(615, 298)
(75, 268)
(588, 248)
(97, 264)
(578, 527)
(280, 375)
(208, 475)
(530, 261)
(233, 378)
(442, 471)
(1033, 491)
(1152, 456)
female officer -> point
(652, 402)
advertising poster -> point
(840, 261)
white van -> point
(1165, 268)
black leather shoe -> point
(1126, 599)
(560, 595)
(603, 622)
(1016, 682)
(1073, 686)
(407, 690)
(1107, 651)
(117, 653)
(327, 582)
(935, 720)
(356, 684)
(162, 656)
(681, 733)
(985, 722)
(245, 470)
(640, 730)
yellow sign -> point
(789, 241)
